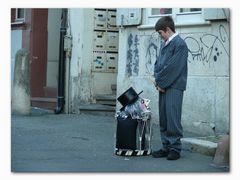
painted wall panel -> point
(16, 44)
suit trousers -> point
(170, 111)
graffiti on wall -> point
(152, 51)
(132, 65)
(208, 48)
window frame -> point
(17, 19)
(190, 12)
(178, 17)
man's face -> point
(164, 35)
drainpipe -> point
(60, 97)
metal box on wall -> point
(129, 16)
(99, 40)
(112, 61)
(100, 17)
(112, 41)
(111, 20)
(105, 41)
(99, 61)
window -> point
(189, 10)
(169, 11)
(161, 11)
(181, 16)
(20, 14)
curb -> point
(201, 146)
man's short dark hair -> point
(165, 22)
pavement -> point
(45, 142)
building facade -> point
(117, 48)
(206, 32)
(38, 31)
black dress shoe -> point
(173, 155)
(160, 153)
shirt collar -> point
(171, 38)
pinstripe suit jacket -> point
(170, 69)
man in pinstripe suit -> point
(170, 72)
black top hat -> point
(128, 97)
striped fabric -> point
(170, 72)
(171, 131)
(170, 69)
(125, 152)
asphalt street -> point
(46, 142)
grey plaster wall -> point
(80, 90)
(85, 83)
(206, 100)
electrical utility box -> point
(129, 16)
(216, 13)
(105, 41)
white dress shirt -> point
(171, 38)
